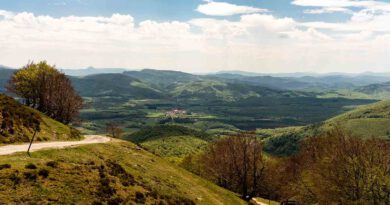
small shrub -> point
(30, 166)
(153, 194)
(105, 190)
(5, 166)
(31, 176)
(74, 133)
(43, 173)
(53, 164)
(97, 203)
(117, 170)
(162, 203)
(15, 178)
(139, 197)
(115, 201)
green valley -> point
(187, 139)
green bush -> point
(53, 164)
(139, 197)
(30, 166)
(44, 173)
(5, 166)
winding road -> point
(89, 139)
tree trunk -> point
(32, 139)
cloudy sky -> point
(199, 35)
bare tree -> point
(339, 168)
(236, 163)
(114, 130)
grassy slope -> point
(76, 178)
(175, 148)
(170, 141)
(378, 91)
(50, 129)
(365, 121)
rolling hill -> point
(173, 142)
(365, 121)
(91, 71)
(307, 82)
(225, 91)
(378, 91)
(18, 121)
(113, 173)
(114, 84)
(266, 81)
(162, 77)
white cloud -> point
(268, 22)
(363, 20)
(330, 6)
(328, 10)
(336, 3)
(256, 42)
(212, 8)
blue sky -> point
(199, 35)
(150, 9)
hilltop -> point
(162, 77)
(17, 124)
(173, 142)
(371, 120)
(91, 71)
(365, 121)
(114, 84)
(378, 91)
(226, 91)
(117, 172)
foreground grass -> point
(117, 172)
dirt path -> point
(89, 139)
(258, 202)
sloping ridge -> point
(114, 173)
(17, 123)
(114, 84)
(371, 120)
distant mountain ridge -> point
(163, 77)
(114, 84)
(91, 71)
(155, 81)
(5, 75)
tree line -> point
(334, 168)
(46, 89)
